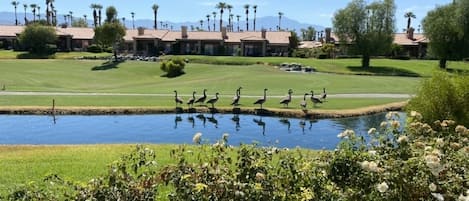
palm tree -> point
(39, 12)
(221, 6)
(25, 19)
(99, 7)
(155, 13)
(208, 22)
(231, 19)
(133, 19)
(84, 17)
(409, 15)
(280, 14)
(238, 16)
(214, 19)
(15, 4)
(95, 14)
(71, 18)
(33, 7)
(255, 12)
(201, 24)
(247, 16)
(229, 7)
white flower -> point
(346, 134)
(197, 138)
(372, 131)
(464, 198)
(365, 165)
(370, 166)
(383, 124)
(372, 152)
(438, 196)
(432, 187)
(395, 124)
(391, 115)
(440, 141)
(260, 176)
(460, 129)
(382, 187)
(416, 115)
(402, 139)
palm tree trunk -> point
(366, 61)
(443, 63)
(16, 18)
(155, 22)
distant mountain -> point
(269, 23)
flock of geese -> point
(235, 102)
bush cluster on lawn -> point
(419, 162)
(444, 96)
(173, 67)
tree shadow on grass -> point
(382, 71)
(108, 65)
(458, 71)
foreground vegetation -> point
(420, 162)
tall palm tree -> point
(221, 6)
(33, 9)
(99, 7)
(155, 13)
(39, 12)
(15, 4)
(231, 23)
(133, 19)
(201, 24)
(280, 14)
(208, 22)
(409, 15)
(25, 18)
(214, 19)
(71, 18)
(229, 7)
(123, 22)
(255, 12)
(247, 16)
(84, 17)
(238, 16)
(95, 14)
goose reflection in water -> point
(260, 123)
(286, 122)
(302, 125)
(235, 119)
(177, 119)
(213, 120)
(202, 118)
(311, 122)
(191, 120)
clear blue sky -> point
(307, 11)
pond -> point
(179, 129)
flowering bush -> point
(420, 162)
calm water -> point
(179, 129)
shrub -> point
(173, 67)
(94, 49)
(108, 49)
(443, 97)
(37, 39)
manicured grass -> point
(145, 77)
(9, 54)
(388, 67)
(167, 102)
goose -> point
(190, 102)
(314, 99)
(213, 100)
(324, 94)
(285, 101)
(262, 100)
(304, 103)
(236, 97)
(177, 99)
(202, 98)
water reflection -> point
(179, 128)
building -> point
(148, 42)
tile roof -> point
(400, 39)
(77, 33)
(10, 31)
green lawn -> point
(422, 68)
(145, 78)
